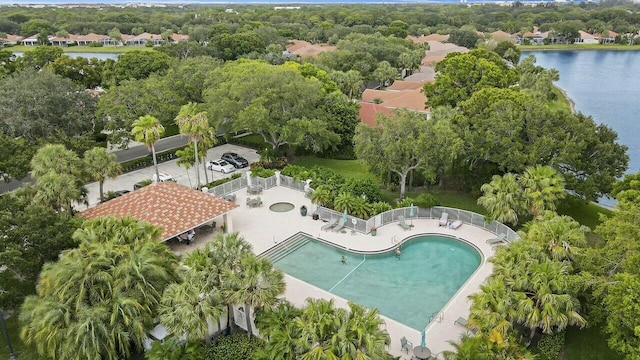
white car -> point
(163, 177)
(221, 166)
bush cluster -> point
(261, 172)
(550, 345)
(232, 347)
(222, 181)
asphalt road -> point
(131, 153)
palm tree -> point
(147, 129)
(322, 195)
(100, 164)
(194, 124)
(254, 283)
(560, 236)
(188, 307)
(544, 299)
(226, 251)
(58, 190)
(542, 187)
(470, 347)
(99, 300)
(345, 201)
(502, 199)
(55, 158)
(270, 320)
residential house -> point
(11, 40)
(143, 39)
(305, 49)
(608, 37)
(586, 38)
(31, 40)
(500, 36)
(401, 95)
(535, 37)
(176, 38)
(85, 40)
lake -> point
(604, 85)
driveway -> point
(184, 177)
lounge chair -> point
(500, 238)
(444, 219)
(340, 225)
(402, 223)
(329, 224)
(456, 224)
(460, 321)
(406, 344)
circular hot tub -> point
(281, 207)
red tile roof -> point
(431, 37)
(369, 112)
(405, 85)
(304, 49)
(409, 99)
(173, 207)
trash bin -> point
(315, 216)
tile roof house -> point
(305, 49)
(369, 112)
(425, 38)
(608, 37)
(383, 101)
(173, 207)
(502, 36)
(32, 40)
(11, 39)
(586, 38)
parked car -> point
(221, 166)
(234, 159)
(141, 184)
(163, 177)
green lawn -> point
(87, 49)
(561, 102)
(346, 168)
(587, 344)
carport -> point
(172, 207)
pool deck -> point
(264, 228)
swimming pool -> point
(409, 290)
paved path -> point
(133, 152)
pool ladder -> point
(437, 316)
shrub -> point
(222, 181)
(359, 186)
(380, 207)
(232, 347)
(261, 172)
(319, 176)
(276, 163)
(172, 349)
(406, 202)
(550, 346)
(95, 44)
(426, 200)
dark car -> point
(234, 159)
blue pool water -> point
(430, 271)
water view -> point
(603, 84)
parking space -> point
(182, 176)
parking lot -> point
(184, 177)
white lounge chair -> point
(461, 321)
(500, 238)
(444, 218)
(402, 223)
(329, 224)
(340, 225)
(456, 224)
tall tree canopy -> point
(274, 101)
(36, 104)
(459, 75)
